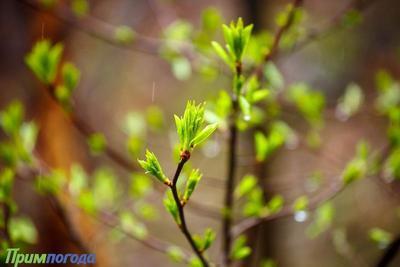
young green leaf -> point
(172, 208)
(191, 184)
(43, 60)
(204, 134)
(239, 248)
(70, 76)
(124, 34)
(381, 237)
(188, 126)
(97, 143)
(247, 184)
(153, 167)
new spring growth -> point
(189, 128)
(236, 38)
(43, 60)
(193, 180)
(153, 167)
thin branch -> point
(231, 173)
(335, 189)
(182, 225)
(64, 217)
(334, 24)
(390, 253)
(278, 36)
(105, 32)
(287, 211)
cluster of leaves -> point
(255, 205)
(15, 150)
(191, 133)
(44, 61)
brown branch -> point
(231, 173)
(278, 36)
(105, 32)
(390, 253)
(334, 24)
(64, 217)
(182, 224)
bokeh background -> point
(116, 81)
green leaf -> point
(105, 188)
(247, 184)
(350, 103)
(43, 60)
(211, 18)
(78, 180)
(124, 34)
(6, 184)
(301, 203)
(134, 124)
(181, 68)
(155, 118)
(28, 134)
(153, 167)
(80, 7)
(273, 76)
(193, 180)
(175, 254)
(70, 75)
(189, 126)
(239, 248)
(97, 143)
(141, 185)
(275, 204)
(11, 118)
(268, 263)
(23, 230)
(171, 207)
(222, 54)
(381, 237)
(245, 107)
(323, 219)
(204, 134)
(132, 226)
(209, 238)
(357, 168)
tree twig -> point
(183, 226)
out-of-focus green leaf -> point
(239, 249)
(80, 7)
(23, 230)
(124, 34)
(132, 226)
(97, 143)
(381, 237)
(273, 76)
(245, 185)
(175, 254)
(43, 60)
(181, 68)
(323, 219)
(350, 102)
